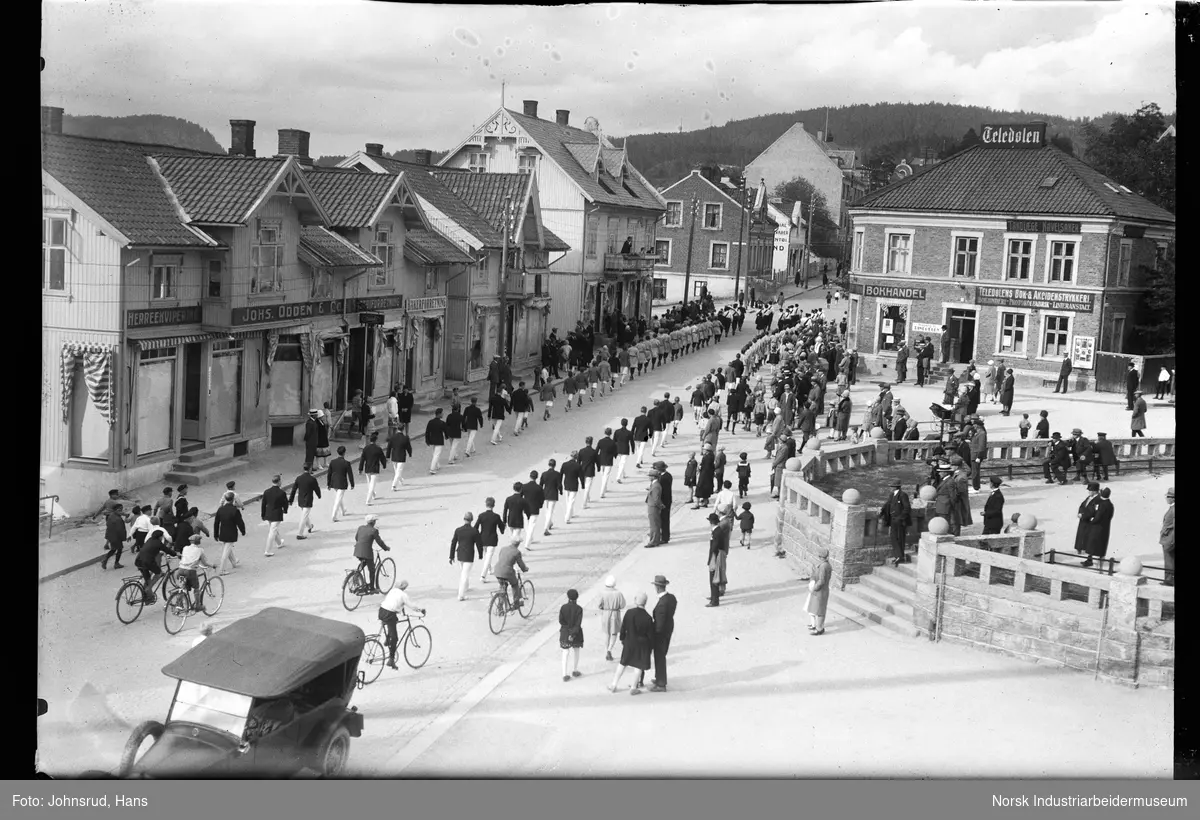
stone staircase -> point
(203, 466)
(882, 598)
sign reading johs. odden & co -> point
(1029, 135)
(259, 314)
(1031, 298)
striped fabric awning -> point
(97, 374)
(175, 341)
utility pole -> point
(812, 218)
(687, 276)
(500, 341)
(737, 277)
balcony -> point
(529, 284)
(630, 262)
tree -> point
(1131, 153)
(1157, 329)
(803, 191)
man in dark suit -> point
(464, 545)
(896, 515)
(586, 456)
(993, 509)
(571, 472)
(227, 523)
(274, 508)
(435, 439)
(902, 362)
(489, 526)
(516, 510)
(664, 480)
(1166, 540)
(552, 487)
(606, 454)
(1084, 453)
(372, 461)
(623, 438)
(641, 432)
(339, 478)
(404, 406)
(718, 553)
(114, 536)
(305, 487)
(399, 450)
(1064, 375)
(1132, 380)
(664, 627)
(532, 492)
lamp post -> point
(687, 276)
(812, 219)
(503, 290)
(737, 276)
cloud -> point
(413, 75)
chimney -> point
(561, 116)
(374, 149)
(294, 142)
(52, 119)
(241, 141)
(712, 173)
(820, 136)
(423, 156)
(530, 108)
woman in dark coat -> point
(570, 633)
(973, 398)
(962, 508)
(637, 643)
(1091, 535)
(704, 477)
(1006, 393)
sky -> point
(413, 75)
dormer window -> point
(164, 276)
(478, 164)
(527, 163)
(266, 259)
(384, 248)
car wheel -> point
(136, 746)
(334, 752)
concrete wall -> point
(1122, 629)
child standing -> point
(747, 521)
(547, 394)
(1024, 425)
(760, 413)
(743, 474)
(689, 477)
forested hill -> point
(157, 129)
(883, 132)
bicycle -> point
(134, 594)
(500, 606)
(354, 587)
(180, 604)
(416, 642)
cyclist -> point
(367, 535)
(147, 561)
(504, 571)
(395, 604)
(191, 558)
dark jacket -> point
(472, 417)
(1084, 451)
(147, 556)
(571, 470)
(516, 510)
(364, 537)
(993, 513)
(1105, 454)
(305, 487)
(114, 528)
(623, 438)
(897, 511)
(465, 544)
(552, 484)
(372, 460)
(641, 428)
(454, 424)
(520, 401)
(1065, 370)
(489, 526)
(404, 405)
(606, 452)
(340, 475)
(399, 448)
(665, 480)
(587, 461)
(274, 504)
(497, 407)
(637, 638)
(531, 491)
(664, 616)
(227, 523)
(435, 432)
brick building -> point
(1021, 251)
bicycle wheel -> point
(418, 643)
(214, 595)
(497, 612)
(179, 606)
(352, 594)
(385, 576)
(526, 609)
(130, 600)
(374, 656)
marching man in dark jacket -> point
(435, 439)
(516, 511)
(372, 461)
(489, 526)
(399, 450)
(606, 453)
(305, 487)
(552, 487)
(498, 405)
(896, 515)
(464, 545)
(623, 439)
(227, 524)
(532, 492)
(274, 508)
(586, 456)
(339, 479)
(571, 474)
(472, 423)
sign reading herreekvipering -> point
(1030, 135)
(1028, 297)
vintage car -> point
(267, 696)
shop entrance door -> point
(510, 333)
(962, 335)
(193, 407)
(360, 372)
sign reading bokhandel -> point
(1027, 297)
(894, 292)
(162, 316)
(260, 314)
(1032, 135)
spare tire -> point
(145, 729)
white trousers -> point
(437, 456)
(398, 477)
(621, 467)
(567, 505)
(305, 523)
(464, 577)
(470, 441)
(603, 473)
(339, 504)
(658, 440)
(487, 562)
(454, 442)
(496, 425)
(547, 515)
(530, 525)
(521, 417)
(371, 479)
(586, 489)
(274, 539)
(640, 452)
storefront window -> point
(478, 334)
(893, 326)
(90, 434)
(286, 378)
(1012, 333)
(156, 400)
(225, 406)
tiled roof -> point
(218, 189)
(332, 251)
(116, 180)
(554, 139)
(584, 153)
(424, 184)
(350, 197)
(1010, 181)
(431, 248)
(485, 194)
(553, 242)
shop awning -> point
(322, 248)
(152, 342)
(431, 248)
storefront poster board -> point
(887, 327)
(1083, 352)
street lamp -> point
(687, 276)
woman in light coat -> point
(818, 593)
(612, 606)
